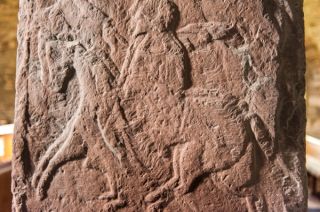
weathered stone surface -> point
(151, 105)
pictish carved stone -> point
(160, 105)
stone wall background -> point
(8, 45)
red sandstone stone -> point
(151, 105)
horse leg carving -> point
(113, 191)
(190, 166)
(71, 149)
(51, 151)
(114, 196)
(153, 196)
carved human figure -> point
(155, 54)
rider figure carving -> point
(153, 76)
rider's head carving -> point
(154, 15)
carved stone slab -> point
(160, 105)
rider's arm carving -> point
(199, 33)
(262, 136)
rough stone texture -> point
(147, 105)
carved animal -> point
(159, 105)
(161, 96)
(228, 133)
(195, 153)
(96, 74)
(67, 146)
(226, 127)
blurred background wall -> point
(312, 42)
(8, 45)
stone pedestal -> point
(160, 105)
